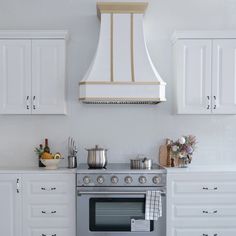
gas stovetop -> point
(120, 175)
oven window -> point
(115, 214)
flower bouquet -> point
(183, 149)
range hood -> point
(122, 71)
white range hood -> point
(122, 71)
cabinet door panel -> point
(15, 76)
(10, 204)
(48, 77)
(193, 72)
(224, 76)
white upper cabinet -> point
(193, 66)
(15, 76)
(224, 76)
(10, 205)
(205, 72)
(32, 72)
(48, 77)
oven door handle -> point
(163, 193)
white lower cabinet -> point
(204, 232)
(37, 205)
(10, 205)
(49, 205)
(201, 204)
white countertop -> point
(203, 169)
(30, 170)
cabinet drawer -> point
(204, 232)
(205, 211)
(207, 187)
(51, 187)
(49, 211)
(50, 232)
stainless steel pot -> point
(141, 163)
(97, 157)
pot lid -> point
(96, 148)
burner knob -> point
(142, 179)
(128, 180)
(156, 179)
(114, 179)
(100, 179)
(86, 179)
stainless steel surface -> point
(72, 162)
(141, 163)
(97, 157)
(117, 182)
(115, 192)
(72, 149)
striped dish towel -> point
(153, 207)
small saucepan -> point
(141, 163)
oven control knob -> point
(142, 179)
(86, 179)
(114, 179)
(100, 179)
(156, 179)
(128, 180)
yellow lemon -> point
(46, 155)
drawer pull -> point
(207, 212)
(48, 189)
(208, 234)
(49, 234)
(49, 212)
(213, 189)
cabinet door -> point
(224, 76)
(48, 77)
(193, 76)
(15, 76)
(10, 206)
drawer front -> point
(50, 187)
(207, 187)
(50, 232)
(205, 211)
(49, 211)
(204, 232)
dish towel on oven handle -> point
(153, 207)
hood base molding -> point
(119, 101)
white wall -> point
(125, 129)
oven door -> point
(109, 212)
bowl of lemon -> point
(51, 161)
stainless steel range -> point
(110, 200)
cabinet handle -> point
(208, 103)
(34, 106)
(214, 107)
(50, 212)
(49, 234)
(208, 234)
(48, 189)
(213, 189)
(18, 185)
(207, 212)
(27, 103)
